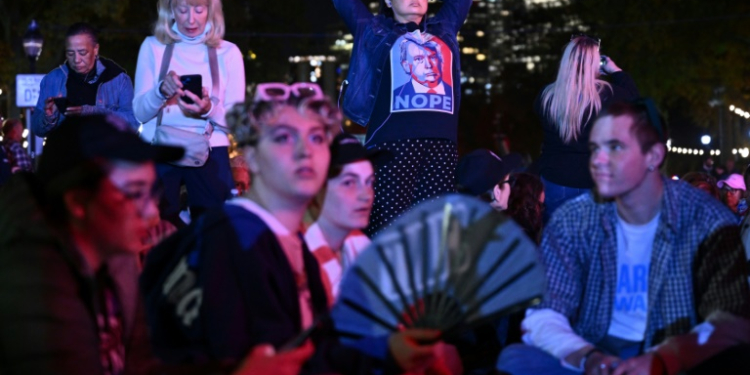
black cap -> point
(346, 149)
(81, 139)
(480, 170)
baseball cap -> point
(734, 181)
(480, 170)
(346, 149)
(82, 139)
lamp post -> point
(32, 46)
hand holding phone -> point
(192, 83)
(61, 103)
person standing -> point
(17, 157)
(404, 86)
(567, 109)
(191, 31)
(86, 84)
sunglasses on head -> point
(277, 91)
(582, 35)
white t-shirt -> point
(630, 310)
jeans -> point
(555, 195)
(521, 359)
(207, 186)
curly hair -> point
(245, 119)
(524, 205)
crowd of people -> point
(176, 227)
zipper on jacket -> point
(341, 92)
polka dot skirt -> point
(415, 171)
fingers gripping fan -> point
(448, 264)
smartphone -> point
(61, 104)
(300, 339)
(192, 83)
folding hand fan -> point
(449, 264)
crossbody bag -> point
(197, 146)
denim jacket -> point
(373, 38)
(114, 95)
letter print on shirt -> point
(421, 74)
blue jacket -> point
(373, 38)
(114, 95)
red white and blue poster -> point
(421, 74)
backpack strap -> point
(165, 59)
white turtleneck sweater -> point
(188, 57)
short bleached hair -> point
(163, 26)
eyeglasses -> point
(141, 196)
(582, 35)
(277, 91)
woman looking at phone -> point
(190, 29)
(85, 84)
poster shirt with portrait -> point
(421, 74)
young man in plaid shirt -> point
(648, 277)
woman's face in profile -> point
(190, 16)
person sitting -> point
(483, 174)
(526, 203)
(70, 237)
(703, 181)
(18, 158)
(241, 275)
(652, 278)
(336, 238)
(732, 192)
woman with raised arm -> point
(567, 109)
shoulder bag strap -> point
(165, 59)
(213, 64)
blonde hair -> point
(163, 26)
(573, 99)
(245, 119)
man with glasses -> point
(649, 279)
(70, 239)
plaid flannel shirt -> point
(18, 156)
(697, 264)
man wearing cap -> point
(336, 239)
(483, 174)
(70, 238)
(648, 277)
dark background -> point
(686, 54)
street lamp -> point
(706, 139)
(32, 44)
